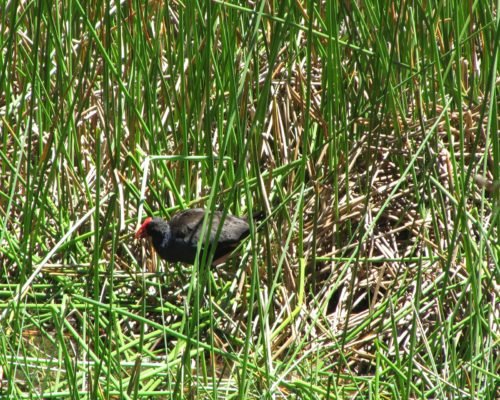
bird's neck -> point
(163, 240)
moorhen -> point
(177, 239)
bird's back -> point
(187, 227)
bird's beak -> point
(141, 232)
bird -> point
(177, 240)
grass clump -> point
(368, 133)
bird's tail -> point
(258, 215)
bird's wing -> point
(235, 229)
(188, 225)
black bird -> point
(177, 239)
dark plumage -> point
(177, 240)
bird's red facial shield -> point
(142, 231)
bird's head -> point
(154, 227)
